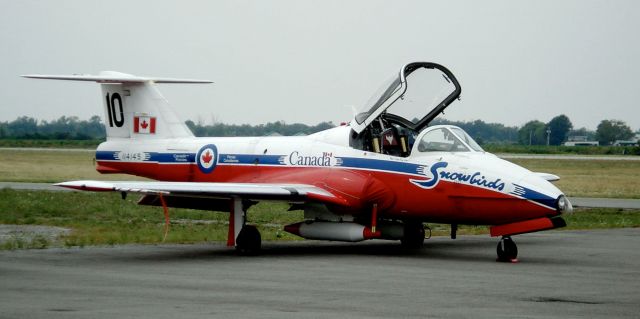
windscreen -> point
(441, 140)
(467, 139)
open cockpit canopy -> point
(412, 99)
(390, 122)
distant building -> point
(577, 138)
(585, 143)
(625, 143)
(634, 141)
(580, 141)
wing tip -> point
(93, 186)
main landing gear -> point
(246, 238)
(413, 236)
(507, 250)
(249, 240)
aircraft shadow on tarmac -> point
(469, 250)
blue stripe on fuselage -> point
(380, 165)
(243, 159)
(246, 159)
(146, 157)
(532, 195)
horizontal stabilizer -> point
(113, 77)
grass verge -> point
(106, 219)
(51, 166)
(568, 150)
(590, 178)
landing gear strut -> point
(507, 250)
(413, 236)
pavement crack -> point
(565, 300)
(61, 310)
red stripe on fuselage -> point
(448, 202)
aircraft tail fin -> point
(133, 106)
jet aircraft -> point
(382, 176)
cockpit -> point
(395, 117)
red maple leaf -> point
(207, 157)
(144, 124)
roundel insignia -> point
(207, 158)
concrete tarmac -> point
(623, 203)
(561, 274)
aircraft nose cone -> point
(564, 205)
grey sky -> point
(308, 61)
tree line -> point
(554, 132)
(64, 128)
(72, 128)
(559, 129)
(271, 128)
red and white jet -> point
(380, 177)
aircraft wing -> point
(267, 191)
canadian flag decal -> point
(207, 157)
(144, 124)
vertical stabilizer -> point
(133, 106)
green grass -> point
(568, 150)
(602, 218)
(51, 166)
(590, 178)
(106, 219)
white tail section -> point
(134, 108)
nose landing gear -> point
(507, 250)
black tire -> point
(507, 249)
(249, 241)
(413, 237)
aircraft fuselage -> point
(445, 187)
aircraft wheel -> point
(249, 241)
(413, 236)
(507, 250)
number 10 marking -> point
(116, 118)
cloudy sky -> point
(310, 61)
